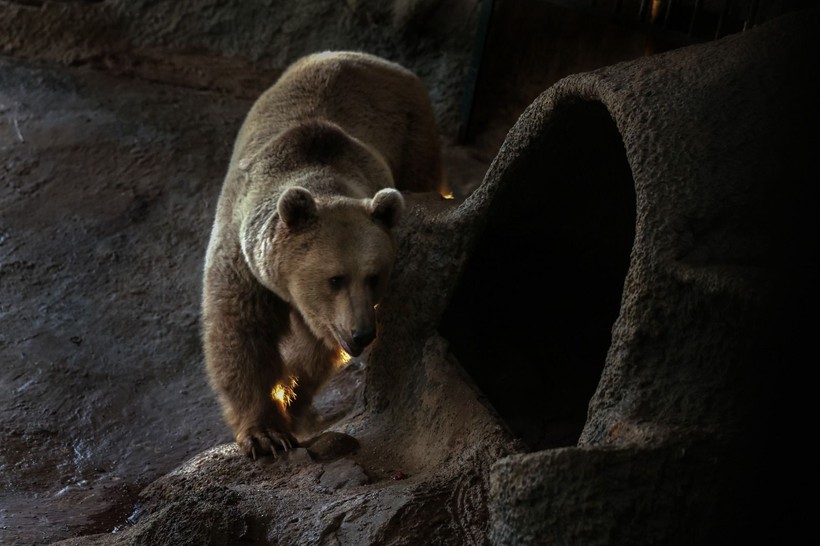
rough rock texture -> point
(631, 289)
(107, 187)
(248, 41)
(686, 439)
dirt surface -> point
(107, 188)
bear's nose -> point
(363, 338)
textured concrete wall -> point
(241, 45)
(703, 384)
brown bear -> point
(301, 248)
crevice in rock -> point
(531, 316)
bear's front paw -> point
(257, 440)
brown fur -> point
(301, 248)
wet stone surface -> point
(106, 188)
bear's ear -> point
(296, 206)
(387, 206)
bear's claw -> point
(256, 442)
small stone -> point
(331, 445)
(298, 455)
(343, 473)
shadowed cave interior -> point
(542, 288)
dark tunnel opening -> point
(531, 317)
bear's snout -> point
(355, 343)
(363, 338)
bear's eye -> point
(336, 282)
(372, 281)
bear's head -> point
(333, 257)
